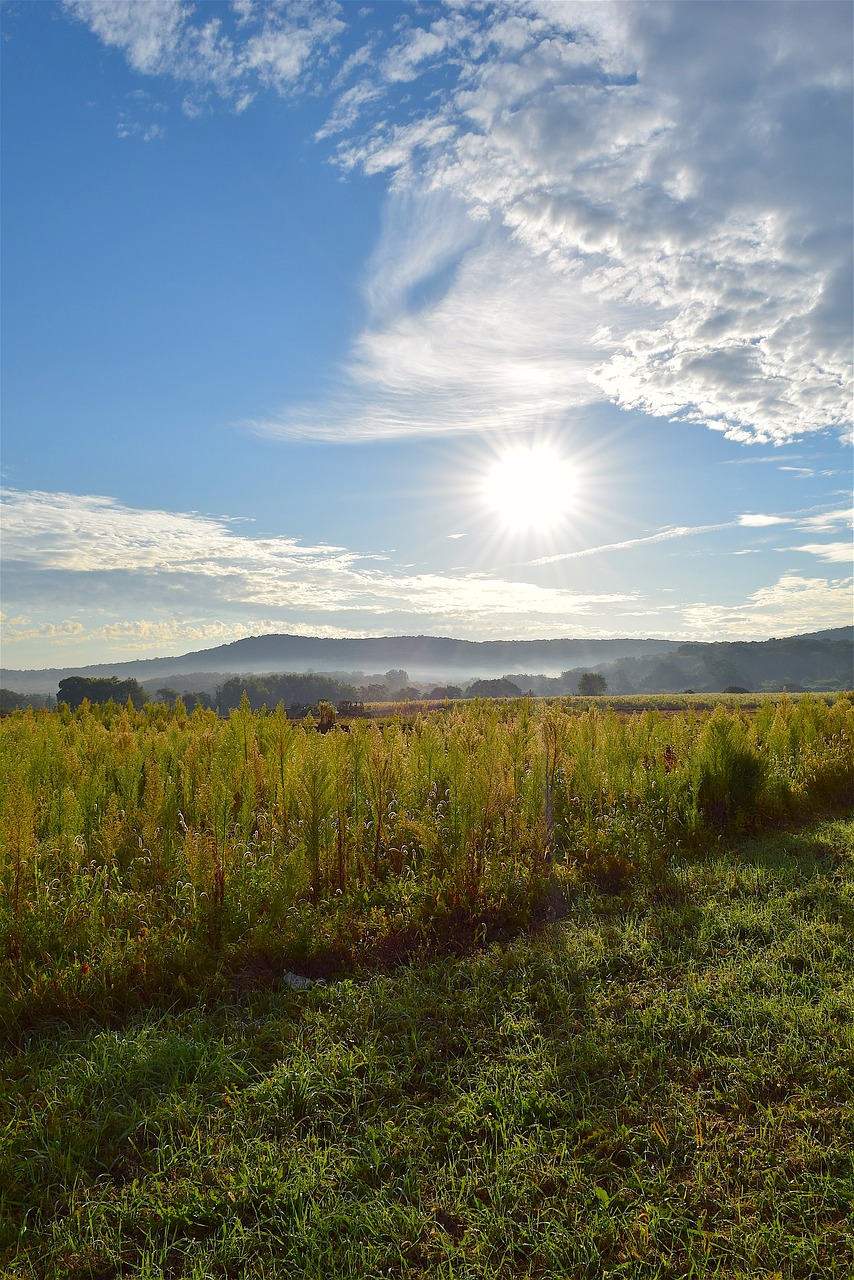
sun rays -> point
(530, 487)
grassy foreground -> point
(659, 1085)
(148, 855)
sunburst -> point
(531, 488)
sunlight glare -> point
(530, 488)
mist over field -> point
(822, 661)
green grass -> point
(145, 854)
(659, 1085)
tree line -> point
(293, 691)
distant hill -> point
(428, 657)
(819, 660)
(823, 661)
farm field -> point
(588, 1004)
(622, 704)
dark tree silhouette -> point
(503, 688)
(77, 689)
(591, 683)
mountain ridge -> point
(421, 656)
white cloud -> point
(89, 552)
(832, 552)
(826, 521)
(272, 46)
(146, 634)
(644, 202)
(151, 35)
(663, 535)
(760, 458)
(791, 606)
(349, 107)
(22, 628)
(823, 522)
(693, 210)
(467, 333)
(92, 574)
(761, 522)
(416, 47)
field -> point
(588, 1008)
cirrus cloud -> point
(648, 203)
(698, 205)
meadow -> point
(588, 1003)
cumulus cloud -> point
(683, 168)
(270, 46)
(643, 202)
(793, 605)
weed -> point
(144, 849)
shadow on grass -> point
(453, 1113)
(811, 856)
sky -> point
(515, 320)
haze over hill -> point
(424, 657)
(821, 659)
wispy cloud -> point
(832, 552)
(87, 553)
(467, 333)
(756, 520)
(759, 458)
(663, 535)
(825, 521)
(610, 219)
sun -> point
(530, 488)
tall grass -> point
(150, 850)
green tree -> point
(591, 684)
(77, 689)
(502, 688)
(396, 679)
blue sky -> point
(514, 320)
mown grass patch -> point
(659, 1085)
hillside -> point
(427, 657)
(823, 661)
(819, 660)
